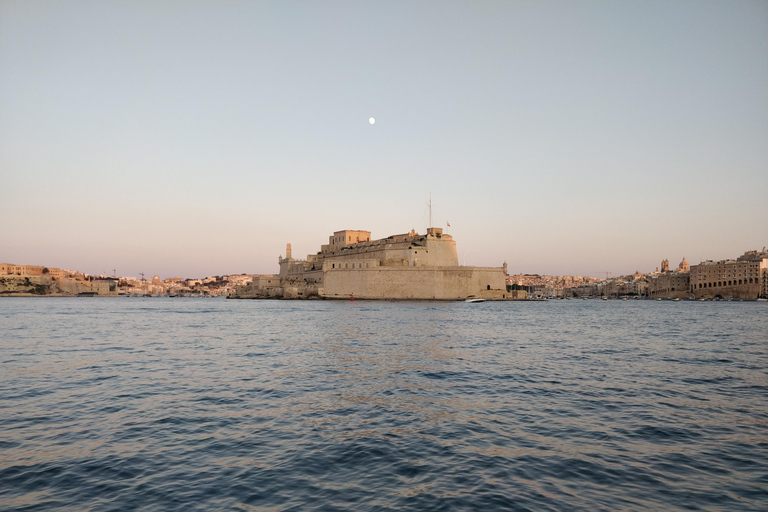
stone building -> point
(670, 285)
(630, 285)
(21, 270)
(743, 278)
(405, 266)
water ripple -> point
(175, 404)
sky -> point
(197, 138)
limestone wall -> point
(74, 287)
(424, 253)
(25, 285)
(259, 287)
(441, 283)
(45, 285)
(744, 291)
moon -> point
(371, 120)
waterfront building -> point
(60, 273)
(404, 266)
(670, 284)
(629, 285)
(584, 290)
(743, 278)
(20, 270)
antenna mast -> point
(430, 210)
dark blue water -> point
(206, 404)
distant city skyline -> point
(600, 275)
(565, 138)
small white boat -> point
(474, 299)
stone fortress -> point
(409, 266)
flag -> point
(449, 224)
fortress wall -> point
(348, 263)
(434, 253)
(442, 253)
(442, 283)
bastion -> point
(408, 266)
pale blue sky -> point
(197, 138)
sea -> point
(155, 404)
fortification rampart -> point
(404, 252)
(407, 266)
(430, 283)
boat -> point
(474, 299)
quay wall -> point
(744, 292)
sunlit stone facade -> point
(405, 266)
(669, 285)
(742, 278)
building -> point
(405, 266)
(259, 287)
(743, 278)
(584, 290)
(669, 285)
(21, 270)
(629, 285)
